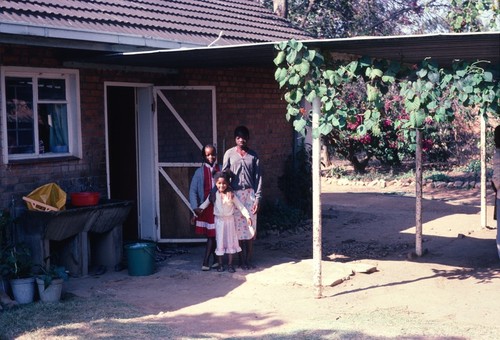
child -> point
(201, 184)
(225, 230)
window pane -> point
(20, 130)
(53, 127)
(51, 89)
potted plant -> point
(50, 281)
(17, 266)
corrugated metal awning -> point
(443, 48)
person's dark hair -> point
(203, 151)
(242, 131)
(497, 137)
(220, 174)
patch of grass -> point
(80, 318)
(438, 177)
(336, 172)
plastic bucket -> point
(141, 258)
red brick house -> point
(133, 130)
(141, 85)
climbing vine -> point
(404, 97)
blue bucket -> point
(141, 258)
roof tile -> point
(197, 22)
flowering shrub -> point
(375, 108)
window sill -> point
(43, 159)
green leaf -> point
(280, 74)
(388, 78)
(353, 65)
(368, 125)
(304, 67)
(330, 76)
(299, 125)
(372, 92)
(296, 95)
(488, 76)
(322, 90)
(310, 55)
(432, 106)
(291, 56)
(376, 73)
(294, 80)
(412, 105)
(468, 89)
(281, 45)
(422, 73)
(325, 129)
(434, 77)
(311, 95)
(461, 73)
(279, 58)
(361, 130)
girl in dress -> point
(200, 187)
(224, 202)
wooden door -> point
(186, 120)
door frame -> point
(144, 123)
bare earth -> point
(452, 292)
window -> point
(40, 113)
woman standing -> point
(246, 182)
(496, 183)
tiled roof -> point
(187, 23)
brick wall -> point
(245, 96)
(250, 97)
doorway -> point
(122, 151)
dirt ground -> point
(452, 292)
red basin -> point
(83, 199)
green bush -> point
(296, 181)
(438, 177)
(279, 217)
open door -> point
(186, 120)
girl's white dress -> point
(225, 228)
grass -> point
(80, 318)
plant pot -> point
(52, 293)
(23, 290)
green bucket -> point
(141, 258)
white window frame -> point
(72, 81)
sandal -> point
(230, 269)
(205, 268)
(220, 269)
(215, 265)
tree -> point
(474, 16)
(347, 18)
(342, 18)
